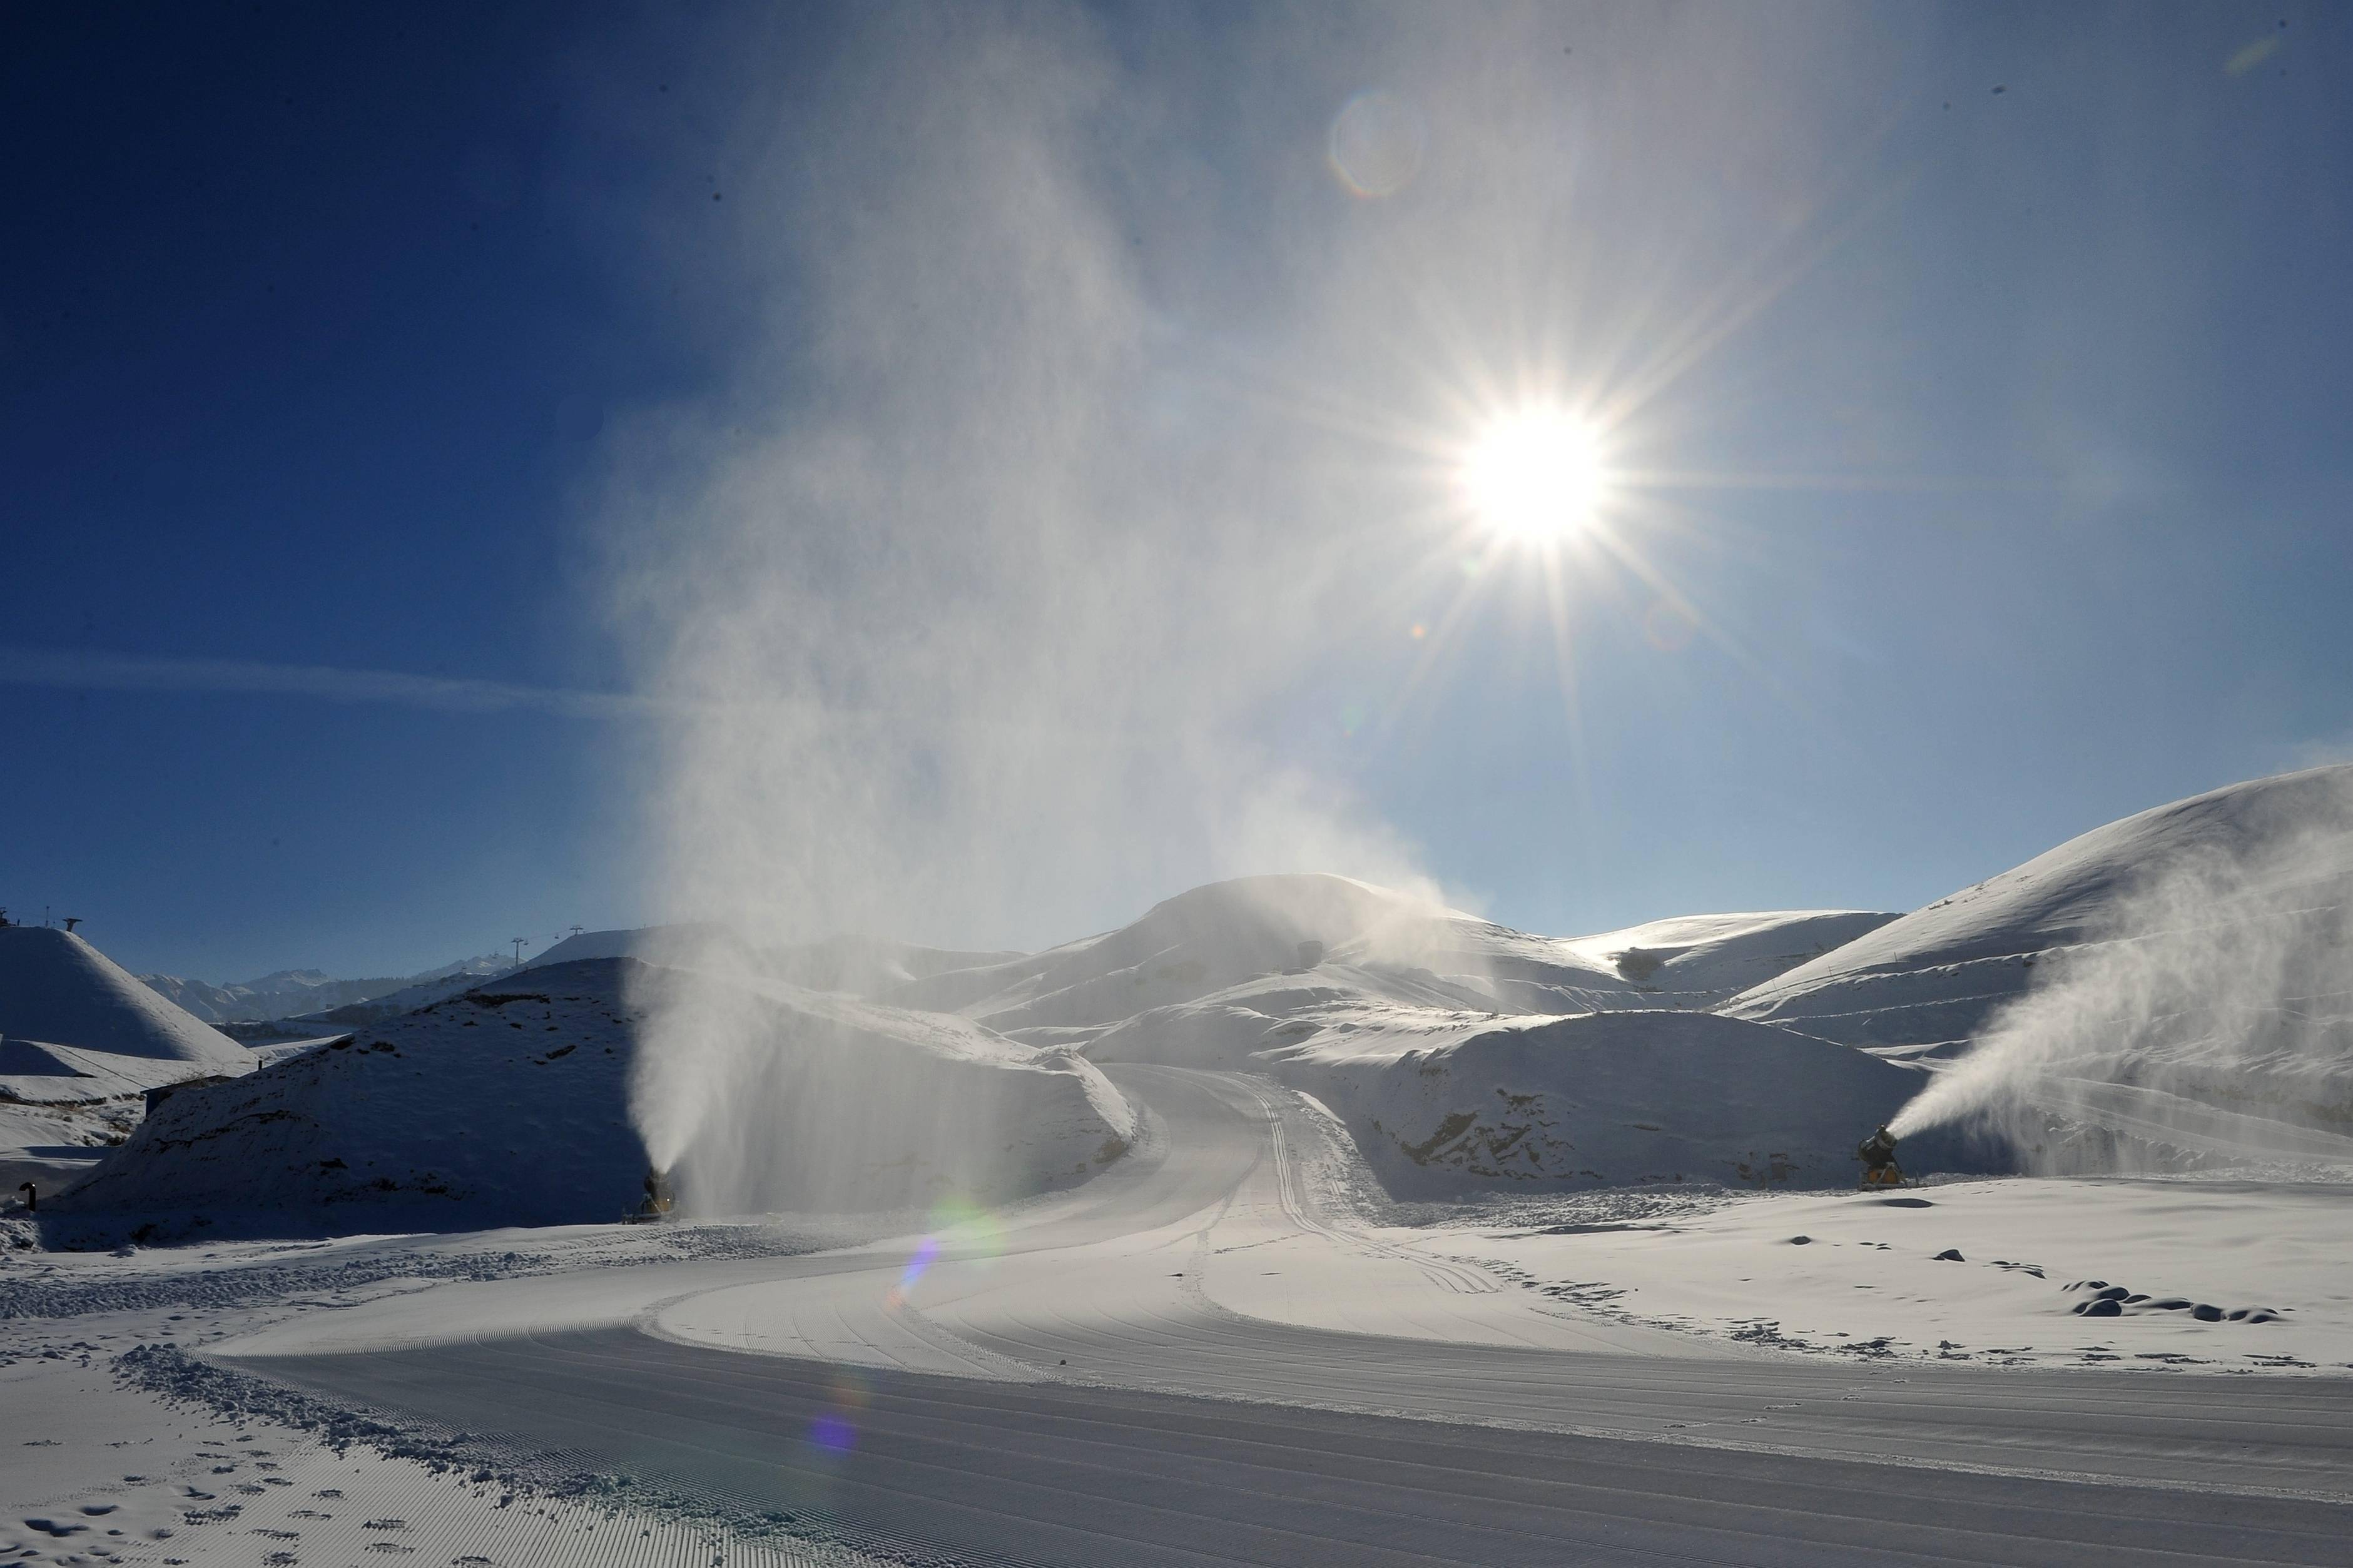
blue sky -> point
(2003, 489)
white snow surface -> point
(58, 990)
(1226, 933)
(479, 1381)
(1452, 1101)
(1929, 982)
(2222, 1273)
(510, 1106)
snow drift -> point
(509, 1105)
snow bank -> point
(509, 1105)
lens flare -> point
(1537, 476)
(835, 1430)
(970, 1233)
(1376, 145)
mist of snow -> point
(961, 626)
(1064, 523)
(2211, 1012)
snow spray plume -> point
(1089, 445)
(2211, 1015)
(956, 635)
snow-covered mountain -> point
(509, 1105)
(694, 944)
(1463, 1053)
(81, 1041)
(1448, 1082)
(58, 990)
(857, 965)
(290, 993)
(1202, 942)
(1928, 983)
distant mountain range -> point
(290, 993)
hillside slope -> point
(509, 1105)
(56, 988)
(290, 992)
(1928, 984)
(1204, 941)
(1447, 1101)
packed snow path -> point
(1055, 1414)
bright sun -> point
(1537, 476)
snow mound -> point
(1213, 937)
(1928, 983)
(509, 1105)
(58, 989)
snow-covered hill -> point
(1929, 982)
(859, 965)
(81, 1041)
(1440, 1105)
(1691, 957)
(290, 992)
(58, 989)
(1204, 941)
(509, 1105)
(1446, 1100)
(695, 944)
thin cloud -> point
(73, 670)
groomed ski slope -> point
(1131, 1373)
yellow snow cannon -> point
(1877, 1154)
(658, 1200)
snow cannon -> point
(1877, 1154)
(658, 1199)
